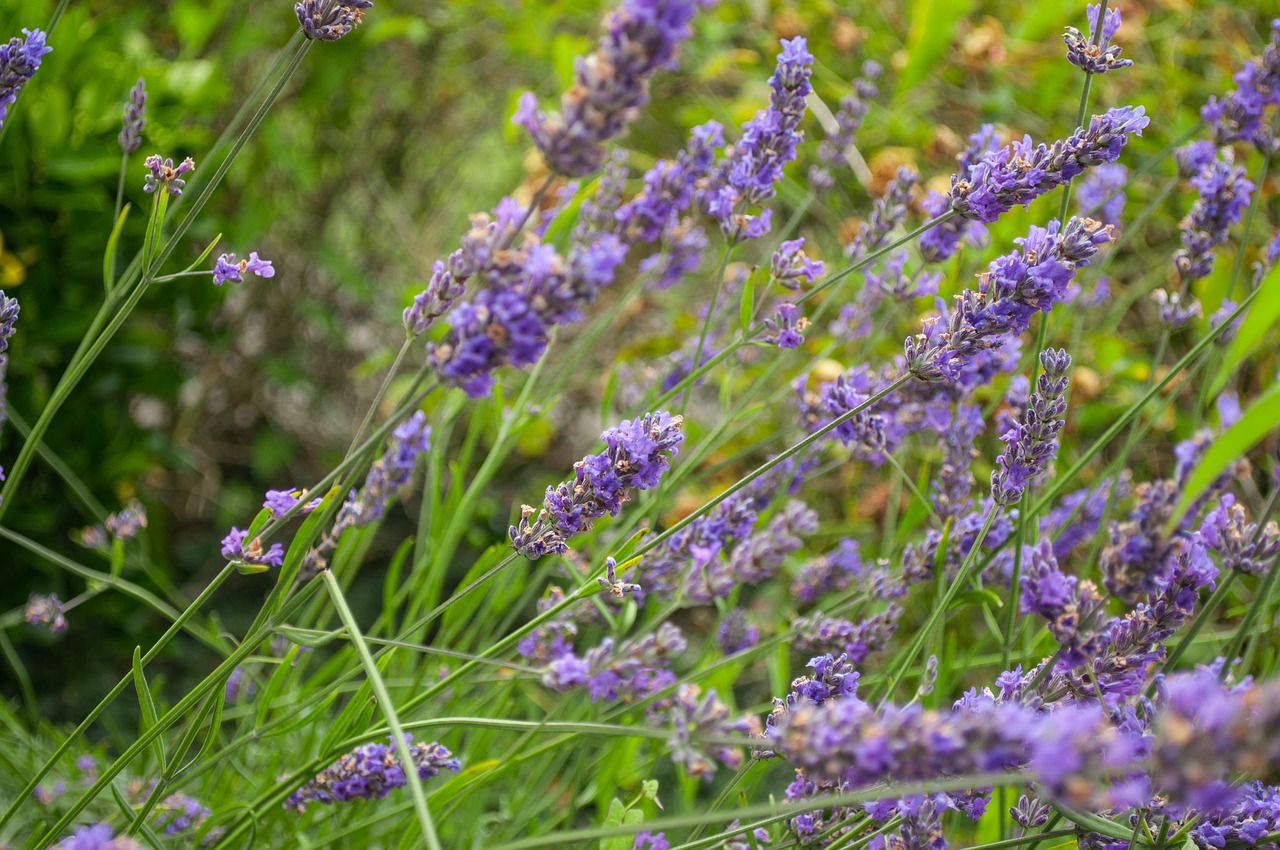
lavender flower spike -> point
(164, 176)
(1032, 443)
(371, 771)
(636, 458)
(19, 61)
(1103, 56)
(230, 270)
(96, 837)
(610, 86)
(326, 20)
(791, 267)
(135, 118)
(1018, 174)
(8, 318)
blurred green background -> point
(365, 174)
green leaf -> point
(1259, 420)
(109, 258)
(199, 261)
(986, 596)
(620, 815)
(747, 306)
(147, 703)
(933, 25)
(1260, 319)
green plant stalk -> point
(124, 684)
(385, 703)
(377, 399)
(716, 285)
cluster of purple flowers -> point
(1073, 608)
(1094, 53)
(1240, 115)
(791, 267)
(122, 525)
(610, 85)
(668, 189)
(1241, 545)
(46, 611)
(230, 270)
(135, 118)
(19, 60)
(736, 633)
(330, 20)
(9, 309)
(753, 560)
(855, 641)
(96, 837)
(638, 453)
(179, 813)
(940, 242)
(1101, 194)
(161, 174)
(786, 327)
(610, 672)
(694, 715)
(753, 168)
(849, 118)
(371, 771)
(1014, 288)
(1030, 445)
(252, 554)
(1021, 172)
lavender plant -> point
(772, 604)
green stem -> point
(712, 309)
(388, 709)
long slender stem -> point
(374, 677)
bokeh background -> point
(365, 174)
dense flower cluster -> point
(371, 771)
(609, 671)
(694, 715)
(1223, 193)
(1240, 115)
(161, 174)
(135, 118)
(669, 188)
(1030, 445)
(330, 20)
(1094, 53)
(610, 85)
(638, 454)
(97, 837)
(1021, 172)
(19, 60)
(752, 170)
(940, 242)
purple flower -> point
(330, 20)
(650, 841)
(1094, 53)
(693, 716)
(371, 772)
(45, 611)
(1014, 288)
(1018, 174)
(637, 455)
(127, 522)
(756, 558)
(1074, 613)
(179, 813)
(1223, 193)
(939, 243)
(1240, 115)
(9, 309)
(614, 585)
(135, 118)
(162, 174)
(230, 270)
(610, 85)
(854, 641)
(791, 267)
(887, 213)
(736, 634)
(280, 502)
(238, 687)
(669, 187)
(1031, 444)
(787, 327)
(749, 175)
(96, 837)
(830, 573)
(683, 245)
(233, 549)
(1240, 544)
(849, 117)
(615, 673)
(19, 61)
(1101, 194)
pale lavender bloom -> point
(1094, 53)
(1074, 610)
(736, 633)
(694, 715)
(829, 573)
(614, 585)
(638, 454)
(683, 246)
(135, 118)
(280, 502)
(371, 771)
(238, 687)
(669, 188)
(610, 85)
(1240, 115)
(849, 117)
(1240, 544)
(330, 20)
(230, 270)
(756, 558)
(234, 549)
(1194, 156)
(46, 611)
(1223, 193)
(855, 641)
(615, 673)
(179, 813)
(791, 267)
(887, 213)
(19, 60)
(1217, 317)
(650, 841)
(96, 837)
(1018, 174)
(786, 328)
(161, 174)
(127, 522)
(9, 309)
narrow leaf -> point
(145, 701)
(1261, 318)
(747, 306)
(109, 258)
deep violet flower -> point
(371, 771)
(940, 242)
(669, 187)
(1093, 52)
(1021, 172)
(736, 633)
(1030, 445)
(19, 60)
(330, 20)
(1223, 193)
(638, 454)
(610, 85)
